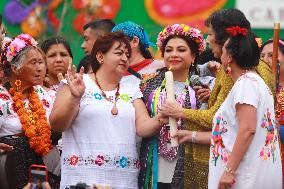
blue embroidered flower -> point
(98, 96)
(123, 161)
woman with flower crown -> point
(162, 166)
(24, 107)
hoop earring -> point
(18, 84)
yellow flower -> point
(186, 28)
(12, 49)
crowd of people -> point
(105, 122)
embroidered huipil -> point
(17, 162)
(159, 162)
(100, 148)
(9, 121)
(261, 164)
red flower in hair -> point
(235, 30)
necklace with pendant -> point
(114, 110)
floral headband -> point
(12, 47)
(182, 30)
(237, 30)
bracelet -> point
(229, 170)
(193, 136)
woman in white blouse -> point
(99, 117)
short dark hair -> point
(103, 44)
(85, 62)
(104, 25)
(143, 50)
(46, 44)
(221, 19)
(244, 49)
(280, 45)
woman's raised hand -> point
(172, 109)
(75, 82)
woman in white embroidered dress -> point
(244, 151)
(24, 67)
(100, 117)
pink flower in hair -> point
(12, 47)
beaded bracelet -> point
(193, 136)
(229, 170)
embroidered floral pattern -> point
(4, 96)
(124, 97)
(45, 103)
(269, 148)
(102, 160)
(246, 76)
(123, 161)
(73, 160)
(98, 96)
(217, 145)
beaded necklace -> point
(114, 110)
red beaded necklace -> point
(114, 110)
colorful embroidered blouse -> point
(261, 164)
(197, 155)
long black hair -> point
(244, 49)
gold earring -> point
(229, 70)
(18, 84)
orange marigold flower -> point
(34, 121)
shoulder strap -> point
(133, 72)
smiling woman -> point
(180, 46)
